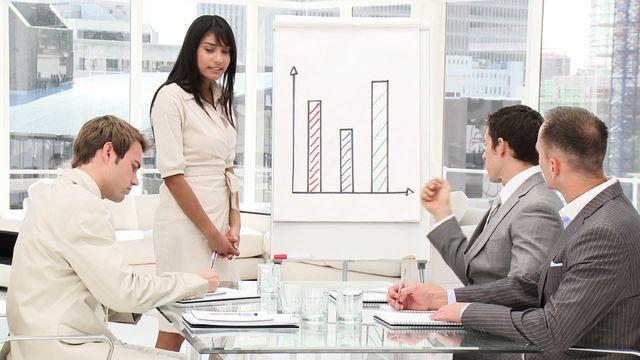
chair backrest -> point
(6, 347)
(459, 203)
(38, 186)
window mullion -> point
(135, 71)
(4, 105)
(250, 140)
(534, 55)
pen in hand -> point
(404, 271)
(214, 256)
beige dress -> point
(190, 142)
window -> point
(590, 65)
(158, 58)
(492, 47)
(112, 65)
(56, 65)
(382, 11)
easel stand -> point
(421, 266)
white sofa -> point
(133, 219)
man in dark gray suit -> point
(515, 235)
(587, 293)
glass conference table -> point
(331, 338)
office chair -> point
(96, 338)
(609, 351)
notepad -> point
(231, 316)
(369, 296)
(260, 321)
(220, 295)
(409, 319)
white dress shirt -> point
(572, 209)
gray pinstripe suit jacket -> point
(516, 240)
(587, 293)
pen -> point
(214, 256)
(404, 271)
(216, 313)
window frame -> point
(432, 13)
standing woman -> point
(195, 136)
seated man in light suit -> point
(587, 292)
(515, 234)
(68, 277)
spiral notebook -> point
(370, 297)
(256, 319)
(409, 319)
(221, 295)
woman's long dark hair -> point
(185, 72)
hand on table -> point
(416, 296)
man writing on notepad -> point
(68, 277)
(587, 291)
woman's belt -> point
(233, 184)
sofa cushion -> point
(146, 206)
(124, 213)
(248, 267)
(250, 242)
(136, 245)
(37, 187)
(266, 244)
(459, 203)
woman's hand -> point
(233, 236)
(221, 244)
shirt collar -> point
(572, 209)
(83, 179)
(512, 185)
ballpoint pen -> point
(404, 271)
(214, 256)
(216, 313)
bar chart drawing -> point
(379, 136)
(346, 160)
(314, 141)
(347, 123)
(379, 140)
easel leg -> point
(345, 270)
(422, 270)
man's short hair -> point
(518, 125)
(579, 134)
(100, 130)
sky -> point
(566, 30)
(169, 18)
(566, 25)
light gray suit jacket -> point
(587, 293)
(68, 277)
(515, 241)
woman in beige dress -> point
(195, 136)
